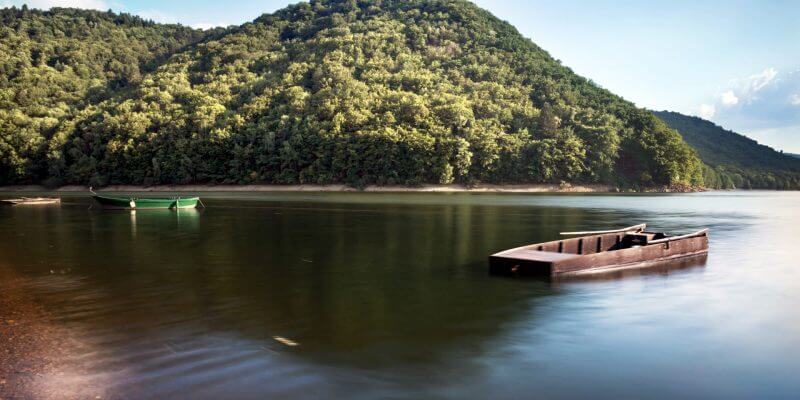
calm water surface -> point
(388, 296)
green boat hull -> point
(134, 203)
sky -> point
(734, 62)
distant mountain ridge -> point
(734, 160)
(331, 91)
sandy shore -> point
(325, 188)
(24, 327)
(28, 339)
(35, 349)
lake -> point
(381, 295)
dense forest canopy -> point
(733, 160)
(56, 65)
(356, 92)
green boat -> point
(135, 203)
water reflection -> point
(662, 268)
(385, 297)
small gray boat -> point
(31, 201)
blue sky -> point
(734, 62)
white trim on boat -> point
(702, 232)
(635, 228)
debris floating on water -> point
(286, 341)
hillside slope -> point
(386, 92)
(54, 65)
(735, 160)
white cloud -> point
(770, 107)
(729, 98)
(759, 81)
(746, 89)
(743, 92)
(157, 16)
(166, 18)
(47, 4)
(208, 25)
(707, 111)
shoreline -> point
(35, 350)
(484, 188)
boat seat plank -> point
(536, 255)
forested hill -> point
(734, 160)
(58, 66)
(357, 92)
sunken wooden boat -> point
(31, 201)
(597, 252)
(152, 203)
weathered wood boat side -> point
(597, 251)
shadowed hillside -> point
(734, 160)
